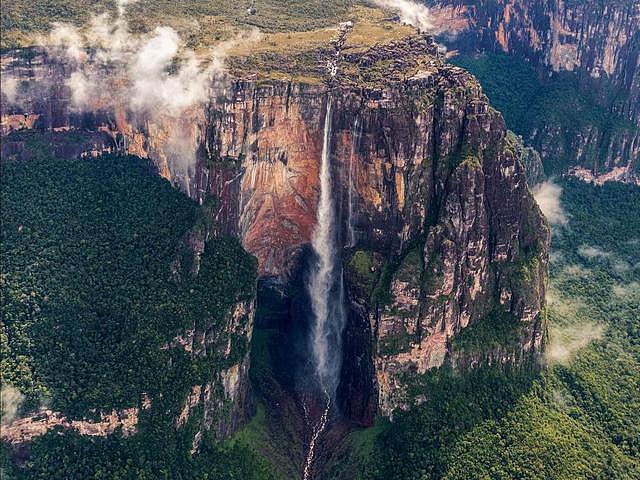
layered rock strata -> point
(447, 235)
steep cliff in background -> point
(448, 242)
(599, 43)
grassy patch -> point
(362, 269)
(394, 343)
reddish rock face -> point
(428, 170)
(272, 135)
(595, 40)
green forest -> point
(564, 101)
(92, 296)
(97, 281)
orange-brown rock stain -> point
(280, 186)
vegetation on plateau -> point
(21, 18)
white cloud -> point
(575, 271)
(10, 400)
(591, 252)
(548, 194)
(153, 88)
(572, 331)
(564, 307)
(410, 12)
(620, 266)
(69, 40)
(556, 256)
(153, 77)
(629, 291)
(81, 89)
(9, 87)
(564, 342)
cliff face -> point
(431, 177)
(221, 402)
(441, 233)
(598, 41)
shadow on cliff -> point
(283, 379)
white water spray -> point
(325, 279)
(326, 294)
(325, 284)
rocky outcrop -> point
(221, 403)
(472, 243)
(598, 41)
(444, 224)
(25, 429)
(599, 38)
(224, 397)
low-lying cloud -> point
(9, 87)
(591, 252)
(157, 72)
(547, 195)
(572, 331)
(151, 78)
(594, 252)
(445, 20)
(410, 12)
(10, 400)
(629, 291)
(564, 342)
(575, 271)
(122, 5)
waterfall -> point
(355, 132)
(317, 430)
(325, 282)
(325, 287)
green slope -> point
(89, 303)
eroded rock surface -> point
(598, 41)
(25, 429)
(441, 209)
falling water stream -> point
(317, 429)
(322, 278)
(326, 294)
(325, 285)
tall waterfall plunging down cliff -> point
(325, 282)
(325, 288)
